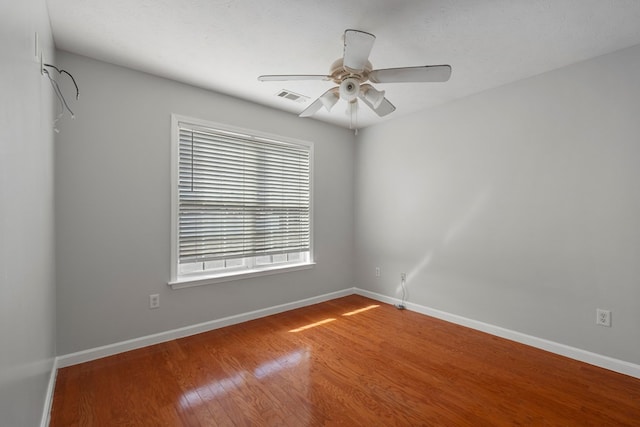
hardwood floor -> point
(351, 361)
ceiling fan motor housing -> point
(349, 89)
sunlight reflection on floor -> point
(209, 391)
(297, 359)
(313, 325)
(285, 362)
(360, 310)
(219, 387)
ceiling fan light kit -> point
(375, 97)
(329, 99)
(349, 89)
(353, 70)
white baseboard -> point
(132, 344)
(606, 362)
(48, 399)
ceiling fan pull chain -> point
(355, 107)
(353, 116)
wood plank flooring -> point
(351, 361)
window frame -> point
(178, 281)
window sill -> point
(188, 282)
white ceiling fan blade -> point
(288, 77)
(383, 109)
(357, 47)
(427, 73)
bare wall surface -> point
(518, 207)
(27, 286)
(113, 208)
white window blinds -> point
(241, 195)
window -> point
(241, 203)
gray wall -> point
(518, 207)
(113, 208)
(27, 287)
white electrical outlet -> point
(603, 317)
(154, 300)
(377, 271)
(403, 277)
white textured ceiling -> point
(223, 45)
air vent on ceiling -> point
(287, 94)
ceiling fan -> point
(352, 72)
